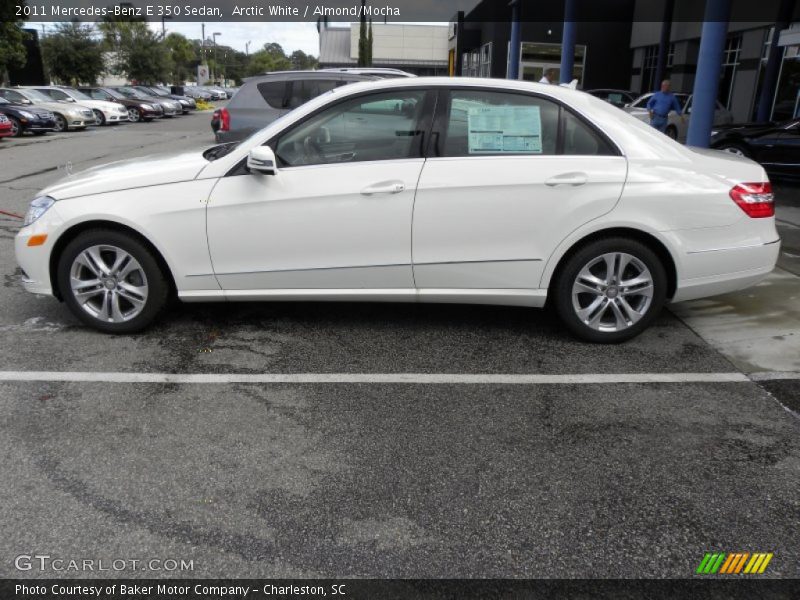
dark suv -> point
(264, 98)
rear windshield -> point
(291, 94)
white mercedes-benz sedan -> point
(420, 190)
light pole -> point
(246, 47)
(214, 35)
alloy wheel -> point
(133, 115)
(99, 117)
(612, 292)
(108, 283)
(735, 150)
(61, 123)
(16, 128)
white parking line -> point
(411, 378)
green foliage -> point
(302, 61)
(362, 39)
(12, 52)
(183, 57)
(369, 45)
(139, 52)
(72, 55)
(270, 58)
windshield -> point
(155, 91)
(132, 93)
(76, 94)
(35, 95)
(114, 93)
(4, 101)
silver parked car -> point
(67, 115)
(677, 127)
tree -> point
(369, 45)
(12, 50)
(182, 57)
(302, 61)
(72, 55)
(139, 52)
(270, 58)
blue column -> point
(568, 42)
(709, 63)
(516, 41)
(770, 80)
(663, 43)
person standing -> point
(549, 76)
(659, 106)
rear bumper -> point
(746, 267)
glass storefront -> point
(787, 95)
(536, 58)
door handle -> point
(573, 179)
(384, 187)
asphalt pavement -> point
(469, 477)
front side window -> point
(56, 94)
(384, 126)
(13, 96)
(499, 123)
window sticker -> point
(504, 129)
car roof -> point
(294, 75)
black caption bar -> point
(370, 589)
(551, 11)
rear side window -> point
(482, 123)
(581, 140)
(274, 93)
(303, 90)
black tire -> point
(672, 132)
(562, 290)
(16, 127)
(736, 149)
(61, 123)
(99, 117)
(155, 279)
(135, 115)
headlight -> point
(27, 115)
(147, 106)
(37, 208)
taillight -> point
(224, 120)
(755, 199)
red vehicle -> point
(5, 127)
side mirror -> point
(261, 159)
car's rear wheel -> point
(61, 123)
(16, 127)
(134, 115)
(111, 281)
(735, 149)
(99, 117)
(610, 290)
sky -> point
(291, 36)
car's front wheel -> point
(610, 290)
(61, 123)
(99, 118)
(134, 115)
(111, 281)
(16, 127)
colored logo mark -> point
(733, 563)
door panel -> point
(492, 222)
(514, 174)
(311, 227)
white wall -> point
(403, 42)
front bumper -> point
(5, 129)
(38, 124)
(35, 260)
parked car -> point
(138, 110)
(27, 118)
(776, 146)
(618, 98)
(67, 116)
(5, 127)
(105, 113)
(264, 98)
(677, 127)
(214, 93)
(528, 193)
(171, 108)
(187, 104)
(197, 93)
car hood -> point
(100, 105)
(128, 174)
(746, 129)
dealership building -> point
(753, 48)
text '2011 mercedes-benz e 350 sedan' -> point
(422, 190)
